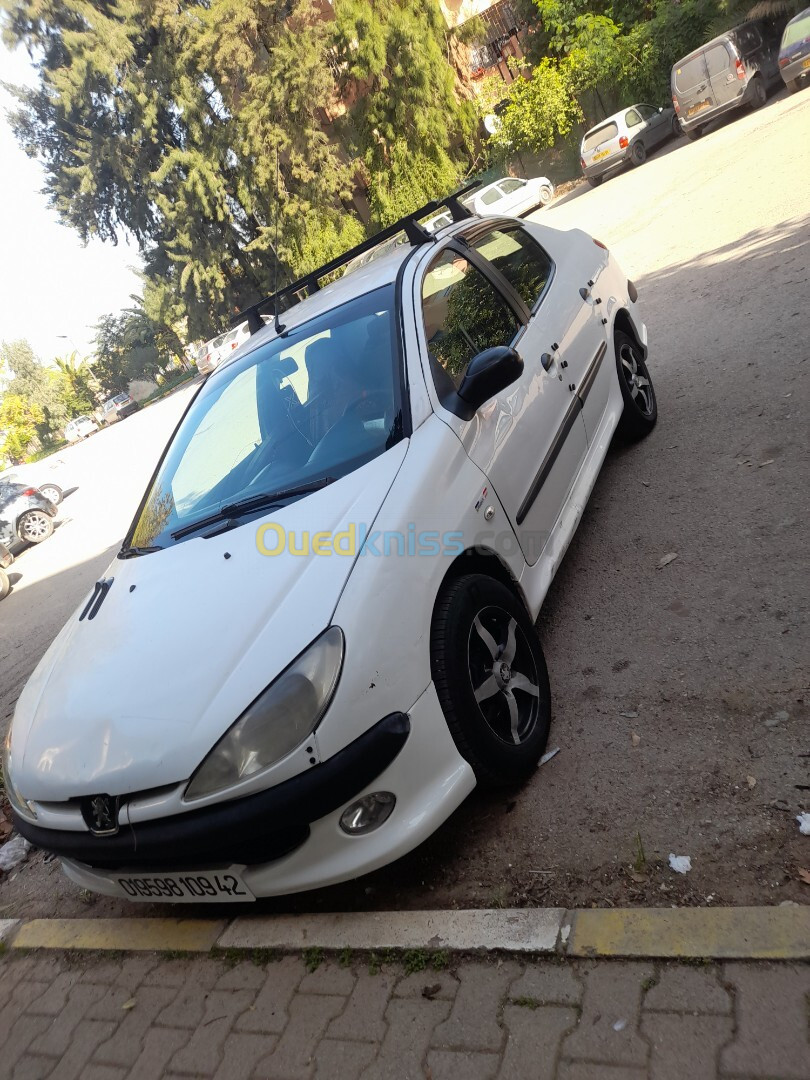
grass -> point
(640, 861)
(313, 958)
(168, 385)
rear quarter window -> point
(599, 135)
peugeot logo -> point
(100, 813)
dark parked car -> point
(794, 52)
(733, 70)
(116, 408)
(26, 515)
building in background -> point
(499, 40)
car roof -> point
(730, 33)
(799, 17)
(615, 117)
(362, 279)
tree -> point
(40, 387)
(164, 120)
(19, 419)
(406, 121)
(80, 383)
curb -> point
(764, 933)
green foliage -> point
(46, 391)
(541, 109)
(409, 180)
(132, 345)
(19, 419)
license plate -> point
(187, 887)
(698, 108)
(600, 155)
(806, 64)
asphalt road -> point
(680, 694)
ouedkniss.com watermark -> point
(358, 540)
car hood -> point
(184, 640)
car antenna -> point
(278, 326)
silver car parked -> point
(625, 138)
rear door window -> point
(718, 59)
(599, 135)
(690, 74)
(491, 196)
(520, 259)
(632, 118)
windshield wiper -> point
(264, 500)
(132, 551)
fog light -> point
(367, 813)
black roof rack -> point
(409, 224)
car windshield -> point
(319, 401)
(796, 31)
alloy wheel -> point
(637, 380)
(503, 675)
(35, 526)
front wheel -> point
(677, 130)
(491, 678)
(640, 407)
(5, 584)
(638, 153)
(594, 181)
(34, 526)
(545, 195)
(758, 94)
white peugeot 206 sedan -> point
(363, 508)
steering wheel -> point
(366, 399)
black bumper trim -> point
(255, 829)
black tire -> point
(693, 133)
(34, 526)
(640, 406)
(677, 130)
(757, 95)
(794, 86)
(52, 492)
(638, 153)
(5, 584)
(503, 733)
(594, 181)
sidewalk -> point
(430, 1015)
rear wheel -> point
(5, 584)
(640, 407)
(757, 95)
(677, 130)
(694, 133)
(594, 181)
(794, 86)
(545, 195)
(52, 492)
(638, 153)
(491, 678)
(34, 526)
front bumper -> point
(251, 830)
(427, 775)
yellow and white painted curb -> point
(763, 933)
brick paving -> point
(426, 1016)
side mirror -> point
(488, 373)
(660, 108)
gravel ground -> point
(680, 694)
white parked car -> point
(80, 428)
(365, 511)
(213, 352)
(513, 196)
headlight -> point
(18, 803)
(279, 720)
